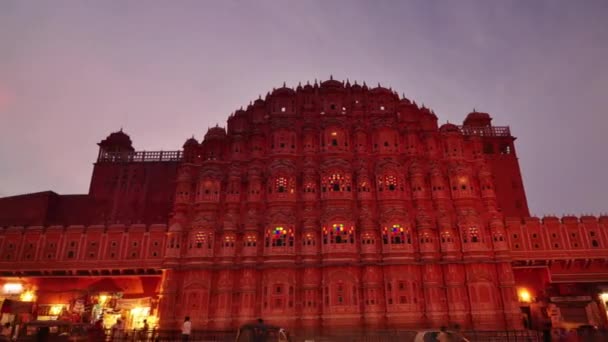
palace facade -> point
(331, 205)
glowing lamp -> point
(524, 295)
(604, 297)
(27, 296)
(12, 288)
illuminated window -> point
(381, 107)
(388, 183)
(335, 183)
(473, 235)
(280, 237)
(446, 237)
(308, 240)
(283, 109)
(338, 234)
(396, 235)
(203, 239)
(250, 241)
(229, 241)
(281, 184)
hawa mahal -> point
(331, 205)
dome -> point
(449, 128)
(118, 140)
(381, 90)
(331, 83)
(215, 132)
(477, 119)
(190, 142)
(284, 90)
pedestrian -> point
(143, 333)
(118, 331)
(260, 331)
(283, 337)
(186, 329)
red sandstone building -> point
(327, 206)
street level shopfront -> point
(81, 299)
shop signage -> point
(128, 304)
(570, 299)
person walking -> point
(143, 333)
(118, 332)
(260, 331)
(186, 329)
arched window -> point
(389, 183)
(473, 235)
(363, 186)
(280, 184)
(202, 240)
(396, 235)
(338, 234)
(446, 237)
(250, 241)
(279, 237)
(309, 186)
(336, 182)
(308, 239)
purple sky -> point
(71, 72)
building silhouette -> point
(331, 205)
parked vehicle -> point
(246, 333)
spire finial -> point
(331, 77)
(284, 86)
(120, 129)
(474, 111)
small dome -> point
(449, 128)
(117, 140)
(478, 119)
(215, 132)
(284, 90)
(380, 90)
(331, 83)
(190, 142)
(239, 112)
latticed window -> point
(473, 235)
(425, 238)
(308, 239)
(229, 241)
(388, 183)
(280, 237)
(396, 235)
(250, 241)
(446, 237)
(338, 234)
(498, 237)
(202, 239)
(280, 184)
(363, 186)
(336, 182)
(309, 187)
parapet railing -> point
(140, 156)
(491, 131)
